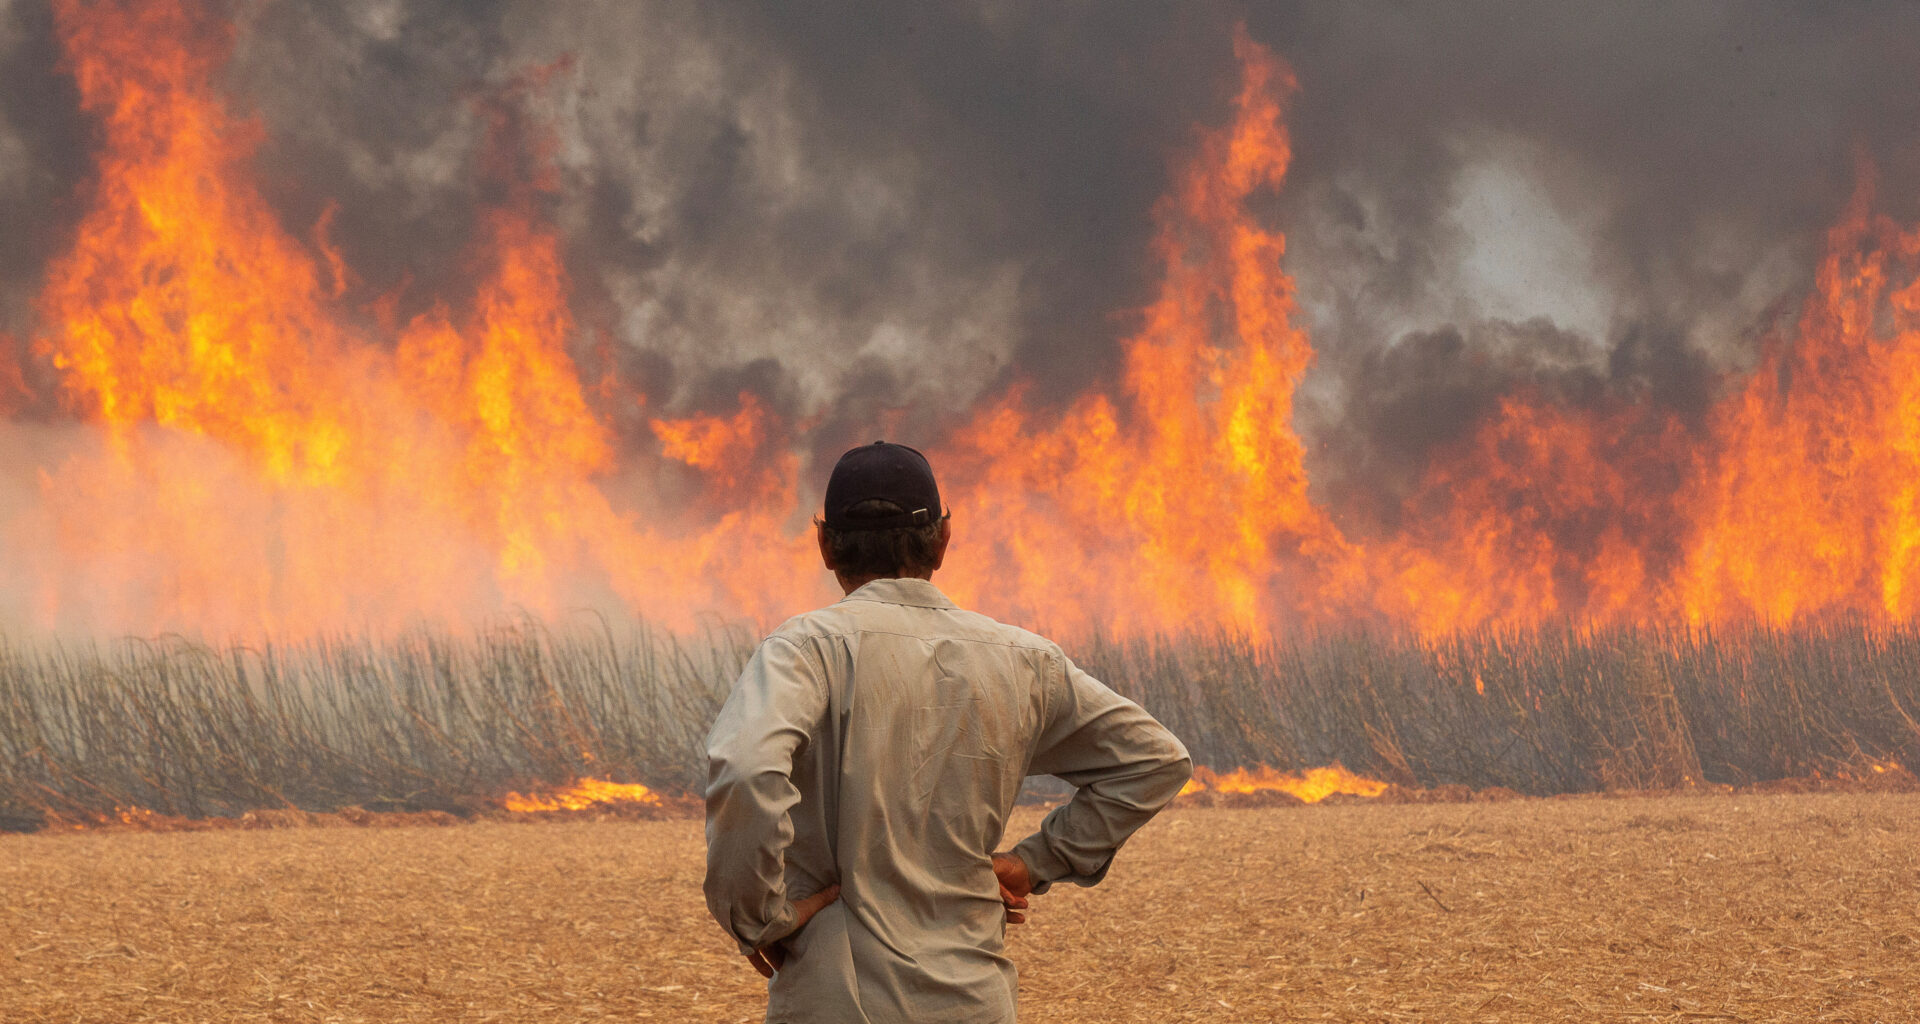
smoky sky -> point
(870, 213)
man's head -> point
(883, 516)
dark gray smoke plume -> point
(861, 210)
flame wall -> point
(230, 418)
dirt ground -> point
(1743, 908)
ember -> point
(1310, 786)
(581, 795)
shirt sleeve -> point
(1127, 767)
(770, 716)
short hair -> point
(899, 551)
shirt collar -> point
(914, 593)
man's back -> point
(893, 730)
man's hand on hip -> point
(1015, 885)
(769, 959)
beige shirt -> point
(879, 743)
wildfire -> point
(1310, 786)
(263, 464)
(1184, 502)
(582, 795)
(259, 456)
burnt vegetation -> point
(430, 722)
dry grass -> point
(1747, 908)
(451, 722)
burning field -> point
(412, 411)
(221, 427)
(454, 457)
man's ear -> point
(826, 550)
(940, 545)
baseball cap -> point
(886, 472)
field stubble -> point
(1746, 908)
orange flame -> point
(1184, 504)
(1814, 503)
(264, 467)
(1797, 499)
(257, 458)
(582, 795)
(1310, 786)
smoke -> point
(899, 207)
(870, 215)
(42, 155)
(1643, 185)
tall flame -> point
(1796, 499)
(1813, 505)
(1184, 502)
(258, 457)
(266, 465)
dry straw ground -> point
(1736, 908)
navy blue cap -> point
(883, 472)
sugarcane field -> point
(864, 513)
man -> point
(862, 771)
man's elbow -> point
(1173, 778)
(1158, 771)
(1170, 777)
